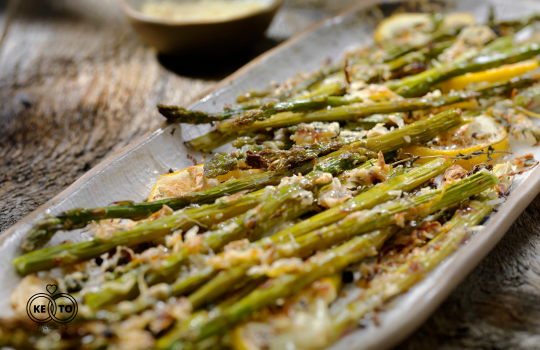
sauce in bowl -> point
(203, 10)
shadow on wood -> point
(212, 67)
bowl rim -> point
(135, 14)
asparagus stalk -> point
(413, 133)
(71, 253)
(393, 52)
(185, 284)
(254, 94)
(204, 315)
(318, 97)
(268, 107)
(297, 88)
(184, 115)
(337, 259)
(403, 65)
(45, 228)
(270, 159)
(333, 163)
(378, 292)
(227, 130)
(288, 284)
(420, 84)
(275, 159)
(366, 200)
(298, 105)
(445, 243)
(350, 226)
(279, 205)
(389, 213)
(355, 111)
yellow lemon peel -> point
(493, 75)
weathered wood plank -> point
(76, 85)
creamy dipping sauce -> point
(202, 10)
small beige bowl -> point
(193, 38)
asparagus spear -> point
(366, 200)
(428, 257)
(222, 163)
(336, 259)
(414, 133)
(355, 111)
(333, 163)
(285, 285)
(389, 213)
(325, 237)
(273, 160)
(45, 228)
(299, 87)
(400, 66)
(184, 115)
(254, 94)
(67, 254)
(280, 204)
(204, 315)
(420, 84)
(392, 52)
(227, 130)
(188, 283)
(267, 107)
(270, 159)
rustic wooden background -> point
(76, 85)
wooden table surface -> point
(76, 85)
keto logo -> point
(59, 307)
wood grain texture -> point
(76, 85)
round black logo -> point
(60, 307)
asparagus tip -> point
(172, 113)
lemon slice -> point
(458, 20)
(407, 23)
(502, 73)
(192, 179)
(395, 25)
(478, 135)
(297, 322)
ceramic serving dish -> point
(200, 37)
(130, 173)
